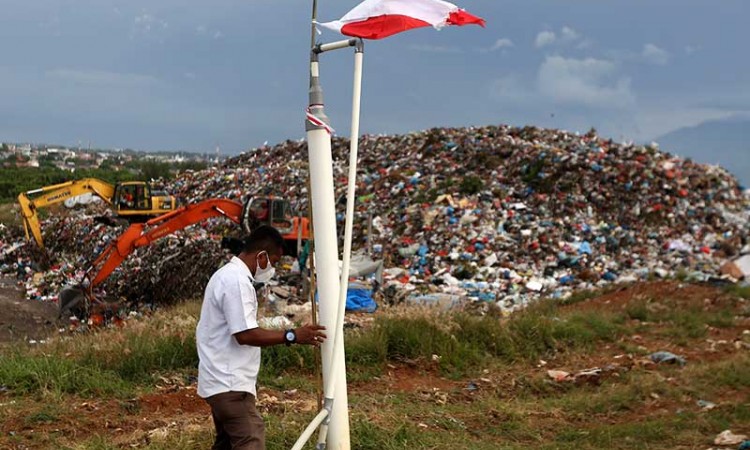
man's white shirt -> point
(229, 306)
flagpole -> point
(344, 282)
(312, 23)
(333, 419)
(336, 415)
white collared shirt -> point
(229, 306)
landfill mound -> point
(497, 215)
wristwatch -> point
(290, 337)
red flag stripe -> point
(461, 17)
(382, 26)
(377, 19)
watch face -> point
(290, 336)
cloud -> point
(568, 34)
(659, 120)
(501, 44)
(202, 30)
(589, 82)
(434, 48)
(581, 85)
(145, 24)
(545, 38)
(655, 55)
(690, 49)
(650, 54)
(511, 89)
(101, 78)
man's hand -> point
(310, 335)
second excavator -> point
(132, 200)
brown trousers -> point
(238, 424)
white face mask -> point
(266, 274)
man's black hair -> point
(266, 238)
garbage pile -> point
(506, 215)
(16, 259)
(498, 215)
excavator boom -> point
(50, 195)
(142, 234)
(130, 199)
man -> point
(229, 340)
(127, 199)
(263, 213)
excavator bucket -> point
(72, 300)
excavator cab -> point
(276, 212)
(132, 197)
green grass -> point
(97, 443)
(680, 322)
(732, 374)
(143, 357)
(57, 374)
(739, 291)
(519, 408)
(112, 361)
(48, 415)
(460, 344)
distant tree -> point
(107, 164)
(191, 165)
(80, 163)
(154, 169)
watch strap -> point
(287, 339)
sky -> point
(189, 75)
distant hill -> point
(724, 142)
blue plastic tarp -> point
(360, 300)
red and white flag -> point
(376, 19)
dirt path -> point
(22, 319)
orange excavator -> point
(294, 230)
(80, 298)
(278, 213)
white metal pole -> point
(344, 283)
(305, 436)
(326, 262)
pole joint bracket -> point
(328, 406)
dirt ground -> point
(21, 319)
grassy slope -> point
(418, 379)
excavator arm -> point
(50, 195)
(142, 234)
